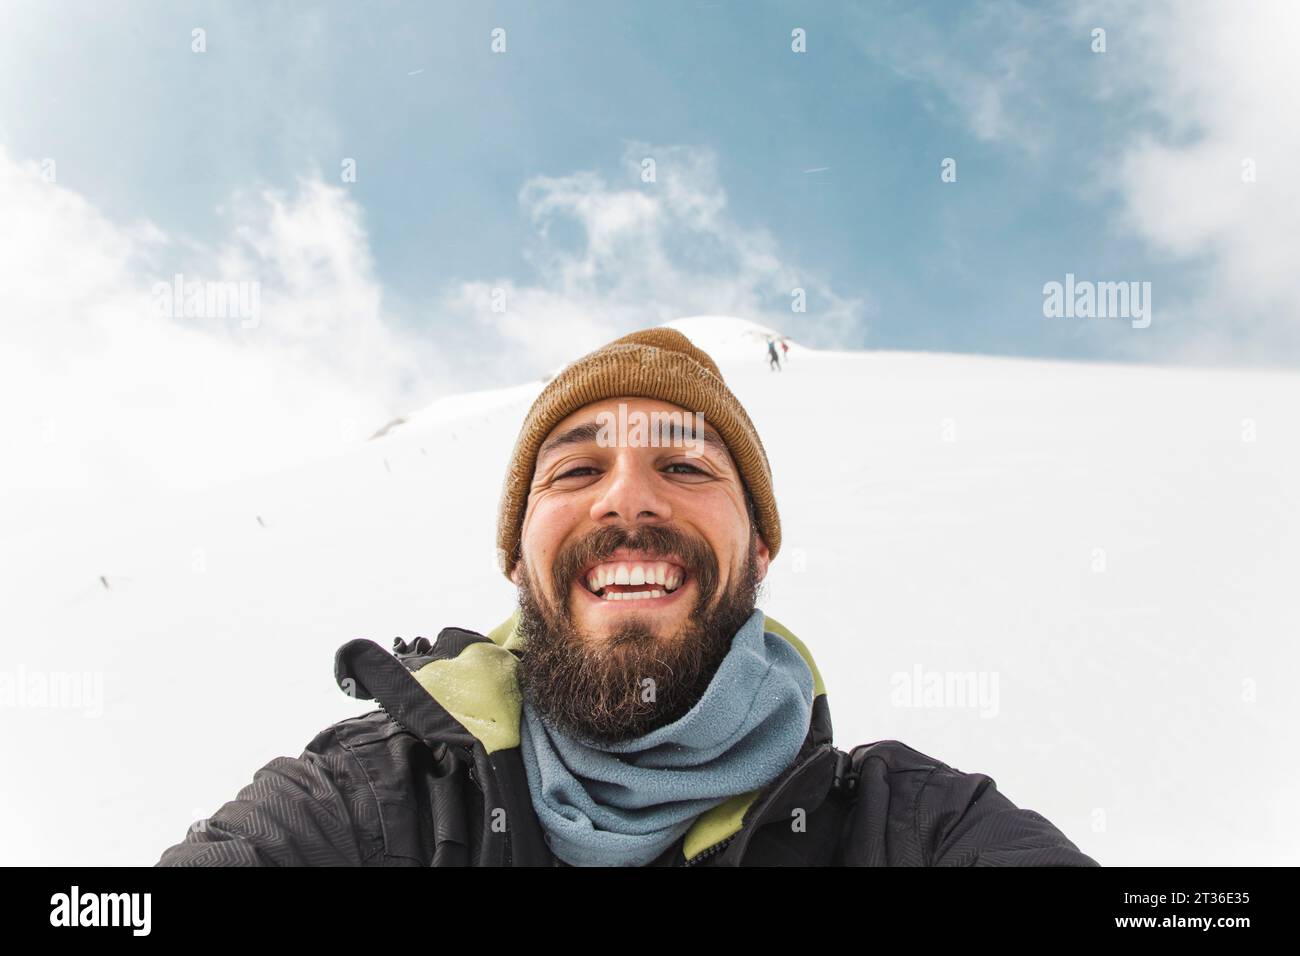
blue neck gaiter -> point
(624, 804)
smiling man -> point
(651, 689)
(637, 708)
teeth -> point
(652, 573)
(631, 595)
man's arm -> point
(313, 810)
(963, 820)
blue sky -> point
(516, 174)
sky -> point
(435, 197)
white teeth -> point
(656, 573)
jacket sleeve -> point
(313, 810)
(963, 820)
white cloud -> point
(643, 253)
(1223, 79)
(1186, 91)
(983, 60)
(101, 395)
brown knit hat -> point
(652, 363)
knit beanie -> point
(659, 363)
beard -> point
(611, 689)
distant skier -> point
(773, 360)
(785, 350)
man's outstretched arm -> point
(964, 820)
(312, 810)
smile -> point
(630, 579)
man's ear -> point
(514, 574)
(763, 557)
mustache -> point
(693, 554)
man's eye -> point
(574, 471)
(682, 464)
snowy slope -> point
(729, 340)
(1100, 540)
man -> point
(637, 709)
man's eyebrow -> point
(675, 434)
(574, 436)
(671, 430)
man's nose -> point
(631, 494)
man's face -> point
(605, 658)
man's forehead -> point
(662, 423)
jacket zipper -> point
(395, 720)
(711, 851)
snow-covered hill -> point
(730, 340)
(1110, 552)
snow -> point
(1101, 543)
(728, 339)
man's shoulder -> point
(390, 758)
(908, 772)
(374, 726)
(896, 756)
(377, 743)
(940, 815)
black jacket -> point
(435, 777)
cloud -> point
(1222, 80)
(610, 257)
(103, 393)
(982, 60)
(1186, 98)
(111, 385)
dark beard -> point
(595, 689)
